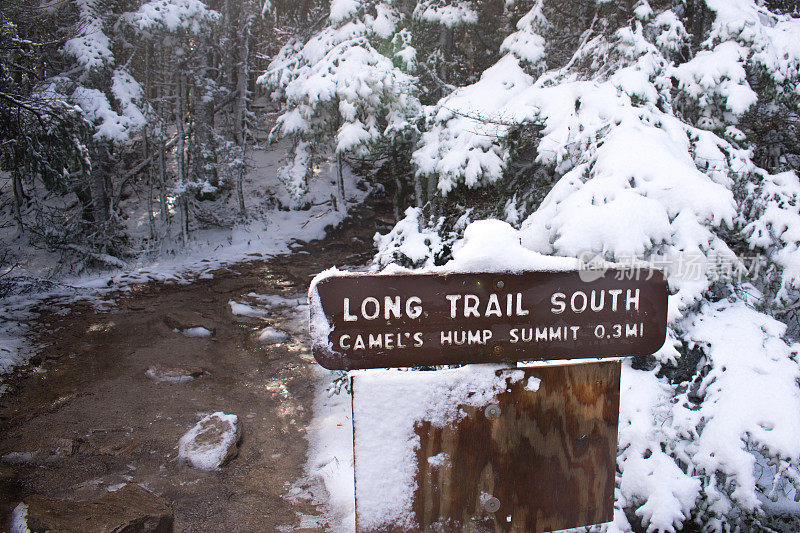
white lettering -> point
(391, 307)
(377, 308)
(359, 343)
(375, 341)
(445, 337)
(520, 310)
(347, 316)
(614, 294)
(471, 303)
(493, 307)
(632, 300)
(557, 299)
(400, 339)
(600, 331)
(598, 306)
(574, 307)
(413, 307)
(417, 339)
(474, 337)
(454, 298)
(514, 335)
(342, 340)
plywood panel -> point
(548, 458)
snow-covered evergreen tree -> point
(341, 92)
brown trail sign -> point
(381, 321)
(537, 459)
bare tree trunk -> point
(399, 188)
(420, 190)
(162, 149)
(179, 155)
(150, 217)
(97, 189)
(179, 130)
(19, 199)
(99, 198)
(340, 180)
(240, 107)
(162, 171)
(204, 157)
(148, 83)
(184, 206)
(445, 49)
(433, 203)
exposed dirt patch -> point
(89, 418)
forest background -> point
(662, 131)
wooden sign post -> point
(536, 459)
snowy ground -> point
(268, 232)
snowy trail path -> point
(88, 418)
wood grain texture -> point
(549, 458)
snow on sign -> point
(391, 320)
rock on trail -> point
(212, 442)
(131, 509)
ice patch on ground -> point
(270, 335)
(198, 331)
(246, 310)
(276, 300)
(19, 519)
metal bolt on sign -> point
(492, 411)
(491, 504)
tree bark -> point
(204, 157)
(179, 129)
(97, 189)
(340, 180)
(240, 106)
(420, 190)
(19, 199)
(433, 200)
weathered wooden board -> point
(390, 320)
(548, 459)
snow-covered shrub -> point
(409, 243)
